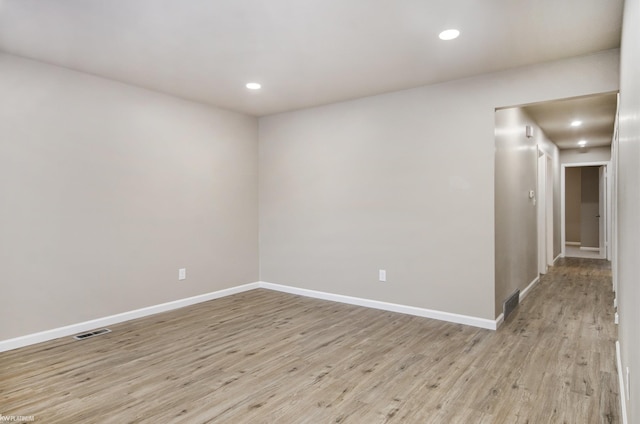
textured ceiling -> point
(597, 114)
(305, 53)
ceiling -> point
(597, 114)
(304, 53)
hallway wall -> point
(592, 154)
(516, 222)
(628, 205)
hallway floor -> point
(265, 357)
(571, 251)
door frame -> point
(607, 208)
(544, 210)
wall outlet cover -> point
(382, 275)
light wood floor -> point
(268, 357)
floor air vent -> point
(511, 303)
(91, 334)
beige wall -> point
(403, 182)
(628, 205)
(589, 207)
(112, 188)
(594, 154)
(572, 196)
(108, 189)
(516, 232)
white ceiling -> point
(304, 52)
(597, 114)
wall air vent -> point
(92, 334)
(511, 303)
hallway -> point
(570, 334)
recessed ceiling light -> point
(253, 86)
(582, 143)
(576, 123)
(449, 34)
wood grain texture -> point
(267, 357)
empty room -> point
(245, 211)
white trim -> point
(69, 330)
(563, 170)
(540, 201)
(526, 290)
(385, 306)
(572, 243)
(500, 320)
(590, 249)
(563, 237)
(623, 397)
(560, 255)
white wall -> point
(108, 189)
(402, 181)
(628, 205)
(593, 154)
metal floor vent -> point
(92, 334)
(511, 303)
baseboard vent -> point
(511, 303)
(92, 334)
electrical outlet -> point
(382, 275)
(182, 274)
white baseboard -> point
(385, 306)
(69, 330)
(499, 320)
(573, 243)
(590, 249)
(560, 255)
(526, 290)
(623, 395)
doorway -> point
(585, 210)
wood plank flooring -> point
(268, 357)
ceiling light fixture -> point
(582, 143)
(576, 123)
(449, 34)
(253, 86)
